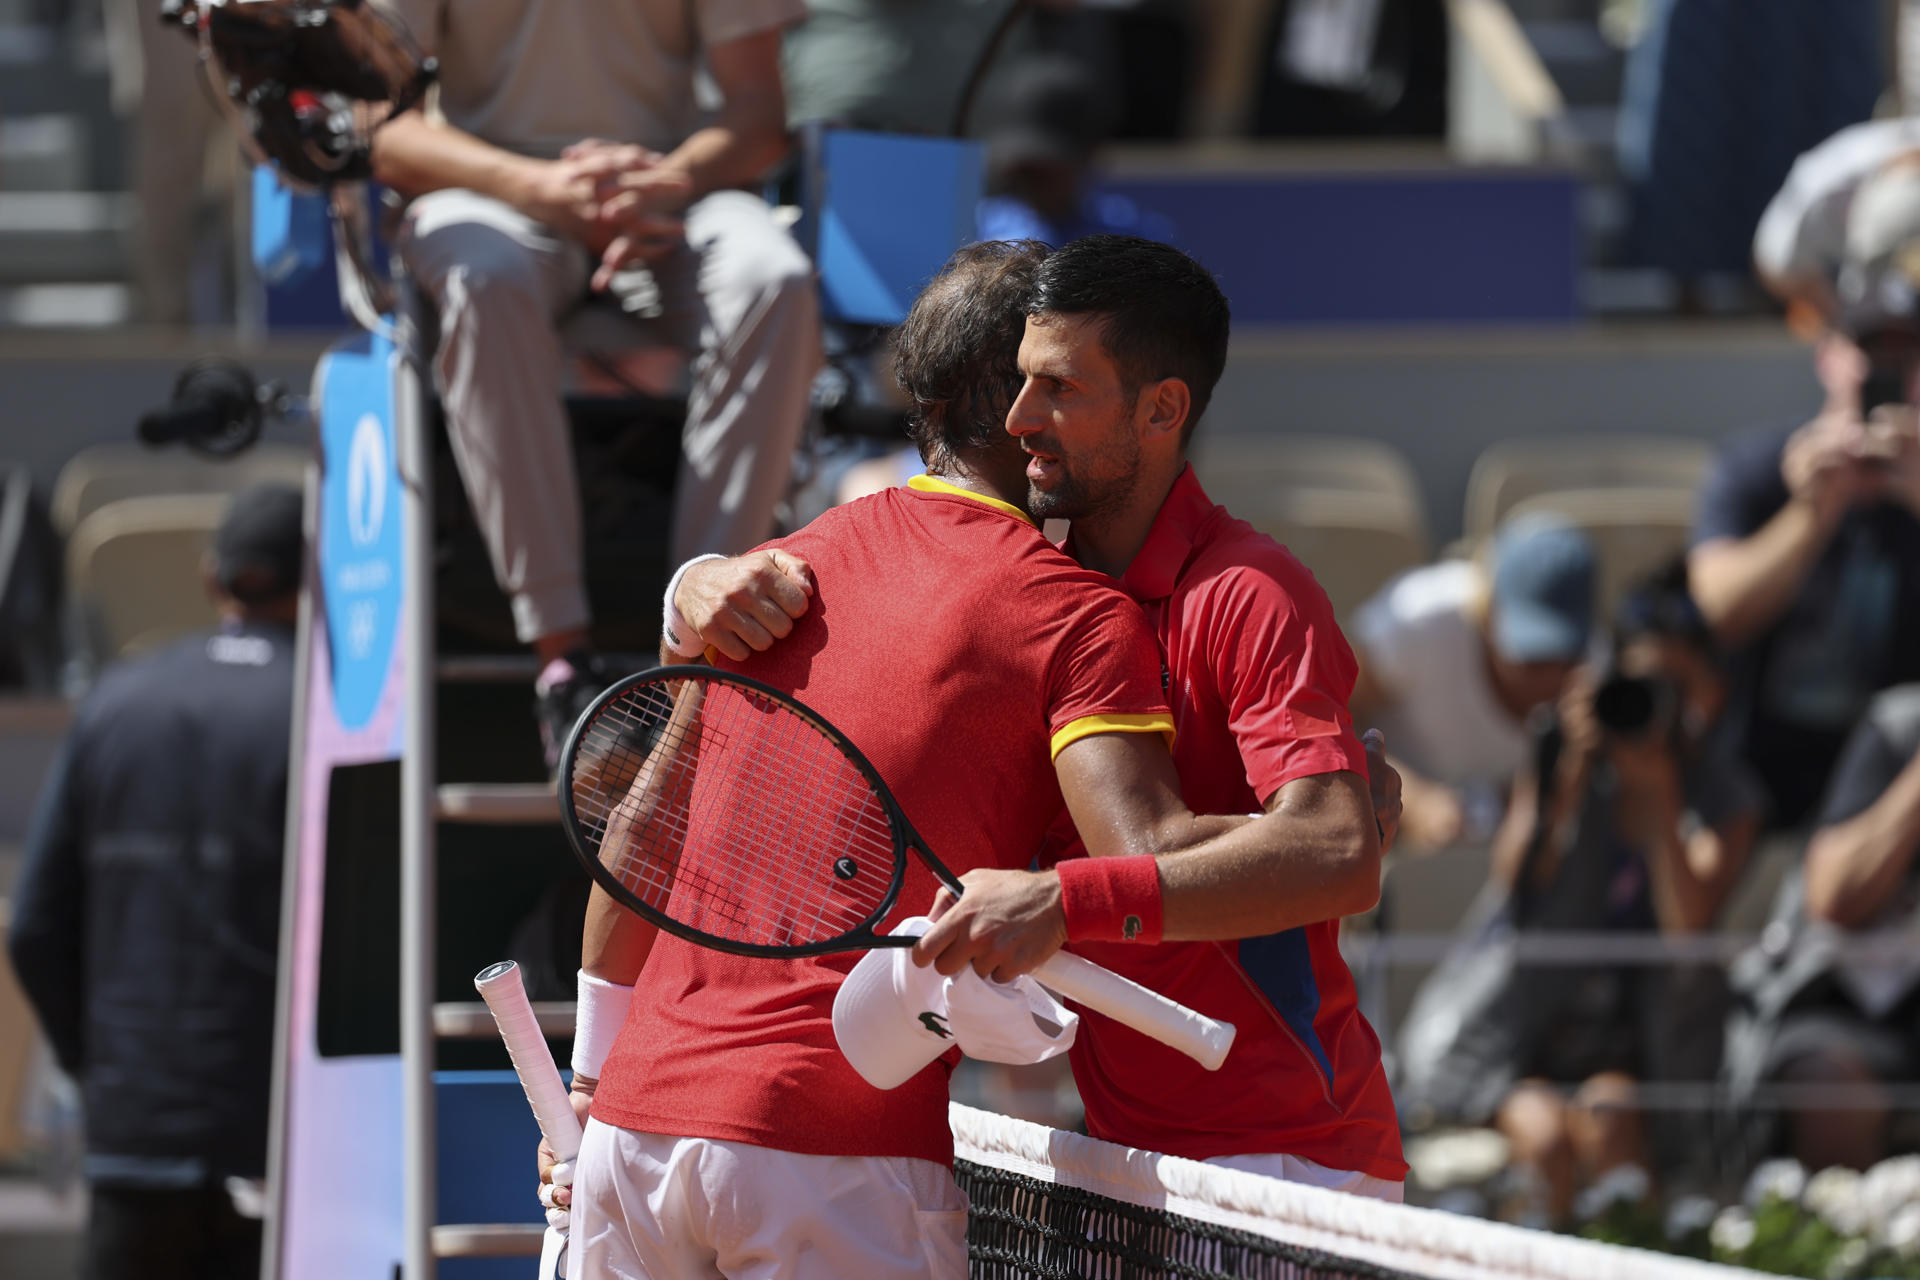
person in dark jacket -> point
(147, 913)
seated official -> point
(570, 153)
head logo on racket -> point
(846, 868)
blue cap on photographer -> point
(1543, 586)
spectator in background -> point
(1833, 1022)
(1453, 661)
(518, 202)
(148, 908)
(160, 93)
(1040, 159)
(1706, 131)
(1643, 822)
(1806, 556)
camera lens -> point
(1626, 704)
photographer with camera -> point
(1806, 556)
(1634, 815)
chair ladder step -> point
(471, 1020)
(488, 1240)
(498, 803)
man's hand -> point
(1892, 448)
(561, 195)
(582, 1100)
(637, 203)
(742, 605)
(1006, 924)
(1385, 785)
(1829, 465)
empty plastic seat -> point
(1237, 470)
(109, 473)
(1512, 472)
(1354, 542)
(133, 570)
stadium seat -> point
(1635, 531)
(1237, 469)
(1515, 470)
(19, 1042)
(133, 570)
(1349, 509)
(109, 473)
(1353, 541)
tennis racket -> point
(500, 986)
(732, 815)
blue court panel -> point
(890, 211)
(1422, 246)
(487, 1137)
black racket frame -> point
(859, 938)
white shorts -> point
(648, 1207)
(1296, 1169)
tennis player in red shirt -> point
(1120, 353)
(966, 655)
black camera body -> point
(1636, 706)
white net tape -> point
(1397, 1238)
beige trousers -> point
(738, 297)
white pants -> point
(648, 1207)
(1295, 1169)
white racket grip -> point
(1205, 1040)
(499, 985)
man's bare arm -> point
(1854, 867)
(1314, 856)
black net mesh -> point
(1021, 1228)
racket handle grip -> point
(500, 986)
(1205, 1040)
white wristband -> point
(597, 1019)
(681, 638)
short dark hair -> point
(957, 356)
(1162, 314)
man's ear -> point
(1162, 408)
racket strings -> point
(730, 813)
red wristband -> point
(1111, 899)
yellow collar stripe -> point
(931, 484)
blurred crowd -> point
(1761, 689)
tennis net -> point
(1048, 1204)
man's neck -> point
(1109, 540)
(975, 476)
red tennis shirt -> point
(1259, 676)
(960, 651)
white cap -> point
(892, 1017)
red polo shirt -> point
(960, 650)
(1258, 676)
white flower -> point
(1622, 1184)
(1834, 1194)
(1888, 1187)
(1732, 1230)
(1781, 1179)
(1689, 1214)
(1848, 1259)
(1902, 1232)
